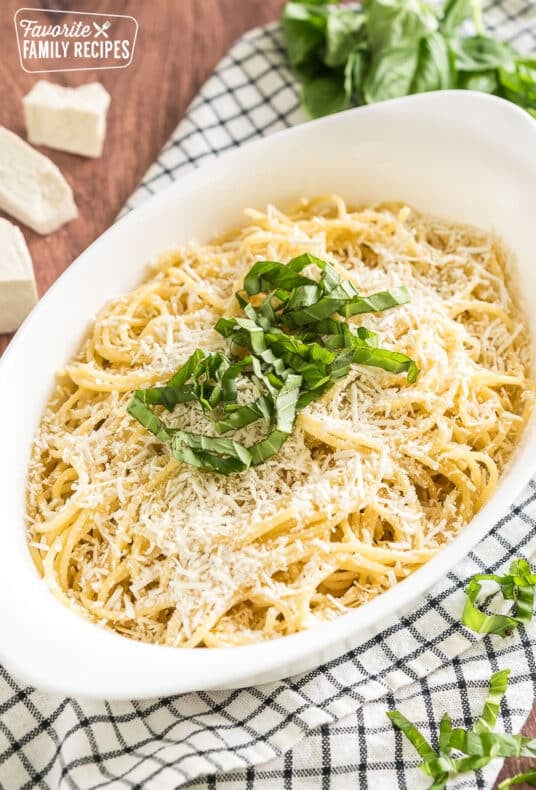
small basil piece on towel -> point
(477, 746)
(517, 585)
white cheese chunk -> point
(18, 293)
(69, 119)
(32, 188)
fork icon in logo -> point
(100, 30)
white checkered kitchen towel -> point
(325, 729)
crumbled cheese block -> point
(69, 119)
(17, 282)
(32, 188)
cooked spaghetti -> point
(377, 476)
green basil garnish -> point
(291, 349)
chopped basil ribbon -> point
(477, 746)
(518, 586)
(288, 345)
(480, 745)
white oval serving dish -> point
(466, 156)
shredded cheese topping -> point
(376, 478)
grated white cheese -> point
(373, 468)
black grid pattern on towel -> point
(326, 728)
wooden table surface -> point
(179, 43)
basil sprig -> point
(291, 349)
(389, 48)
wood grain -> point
(179, 43)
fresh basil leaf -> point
(518, 83)
(434, 71)
(324, 94)
(455, 13)
(479, 53)
(345, 29)
(315, 14)
(395, 24)
(304, 27)
(483, 81)
(397, 47)
(391, 74)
